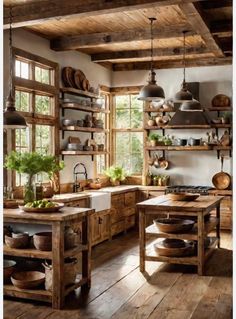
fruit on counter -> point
(41, 204)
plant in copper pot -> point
(116, 174)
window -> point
(128, 133)
(37, 98)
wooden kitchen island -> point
(67, 216)
(199, 208)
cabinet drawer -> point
(118, 227)
(129, 211)
(130, 199)
(129, 221)
(117, 201)
(116, 215)
(78, 203)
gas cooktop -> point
(188, 188)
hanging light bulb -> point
(12, 119)
(184, 94)
(152, 91)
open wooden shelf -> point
(153, 110)
(218, 108)
(35, 253)
(188, 148)
(83, 153)
(79, 107)
(221, 125)
(177, 127)
(79, 92)
(152, 231)
(34, 294)
(84, 129)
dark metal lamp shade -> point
(152, 91)
(183, 95)
(191, 106)
(12, 119)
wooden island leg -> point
(86, 254)
(218, 226)
(200, 250)
(58, 265)
(142, 240)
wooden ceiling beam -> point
(138, 54)
(39, 12)
(222, 28)
(198, 21)
(100, 39)
(170, 64)
(217, 4)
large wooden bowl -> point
(43, 241)
(186, 197)
(19, 242)
(27, 279)
(162, 250)
(221, 180)
(9, 267)
(173, 225)
(42, 210)
(221, 100)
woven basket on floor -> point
(69, 273)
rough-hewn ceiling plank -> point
(217, 4)
(222, 28)
(200, 25)
(172, 64)
(120, 55)
(37, 12)
(98, 39)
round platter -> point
(68, 76)
(79, 76)
(42, 210)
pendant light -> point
(12, 119)
(184, 94)
(152, 91)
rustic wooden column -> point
(142, 240)
(58, 288)
(218, 225)
(200, 250)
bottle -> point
(39, 190)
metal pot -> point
(181, 142)
(194, 141)
(67, 122)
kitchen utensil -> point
(216, 121)
(74, 147)
(151, 122)
(67, 122)
(80, 123)
(100, 147)
(156, 162)
(173, 225)
(95, 185)
(43, 241)
(194, 141)
(18, 242)
(27, 279)
(9, 267)
(188, 197)
(220, 100)
(186, 250)
(221, 180)
(225, 139)
(163, 163)
(87, 148)
(56, 208)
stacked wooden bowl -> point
(75, 79)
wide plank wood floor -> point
(120, 291)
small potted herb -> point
(153, 139)
(116, 174)
(226, 118)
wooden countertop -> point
(66, 213)
(162, 203)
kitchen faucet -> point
(76, 185)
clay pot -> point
(151, 123)
(153, 143)
(159, 120)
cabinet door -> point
(105, 225)
(130, 199)
(95, 228)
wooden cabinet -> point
(226, 219)
(123, 211)
(100, 226)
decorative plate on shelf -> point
(55, 208)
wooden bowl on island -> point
(27, 279)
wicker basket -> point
(69, 273)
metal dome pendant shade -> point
(191, 106)
(12, 119)
(152, 91)
(183, 95)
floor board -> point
(120, 291)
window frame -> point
(129, 90)
(37, 88)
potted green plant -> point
(153, 139)
(116, 174)
(226, 118)
(31, 164)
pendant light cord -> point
(184, 55)
(10, 52)
(151, 65)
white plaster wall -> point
(195, 168)
(95, 73)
